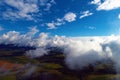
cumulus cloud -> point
(70, 17)
(107, 4)
(13, 37)
(88, 50)
(85, 14)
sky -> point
(82, 28)
(61, 17)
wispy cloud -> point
(47, 4)
(85, 14)
(91, 27)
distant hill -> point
(13, 50)
(12, 47)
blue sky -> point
(61, 17)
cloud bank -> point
(76, 49)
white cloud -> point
(85, 14)
(38, 52)
(13, 37)
(59, 22)
(119, 16)
(24, 9)
(47, 4)
(1, 28)
(76, 50)
(70, 17)
(51, 25)
(10, 37)
(107, 4)
(87, 49)
(98, 2)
